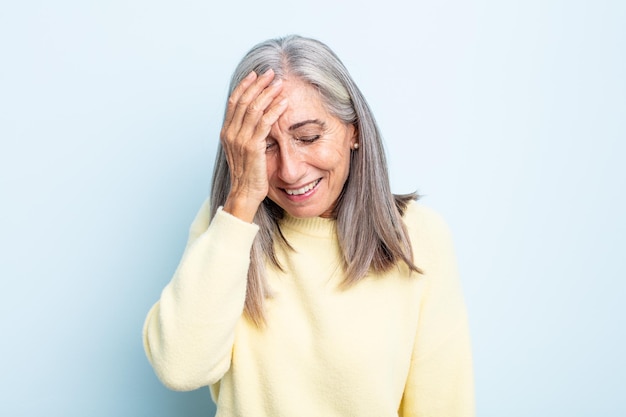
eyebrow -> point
(306, 122)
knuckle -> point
(232, 101)
(223, 135)
(227, 134)
(253, 108)
(244, 100)
(266, 121)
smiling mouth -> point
(303, 190)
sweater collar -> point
(313, 226)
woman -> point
(307, 288)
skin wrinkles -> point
(305, 145)
(302, 132)
(303, 123)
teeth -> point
(302, 190)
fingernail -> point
(252, 74)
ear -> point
(355, 134)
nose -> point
(290, 167)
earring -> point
(355, 146)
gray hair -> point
(370, 230)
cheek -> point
(327, 158)
(336, 161)
(341, 155)
(270, 164)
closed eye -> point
(269, 145)
(308, 139)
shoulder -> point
(423, 219)
(429, 233)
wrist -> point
(242, 208)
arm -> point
(189, 333)
(440, 381)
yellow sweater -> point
(392, 345)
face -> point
(308, 154)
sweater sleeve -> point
(440, 381)
(188, 334)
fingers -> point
(236, 94)
(253, 116)
(249, 100)
(271, 115)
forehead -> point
(304, 102)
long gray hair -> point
(370, 230)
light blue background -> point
(509, 116)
